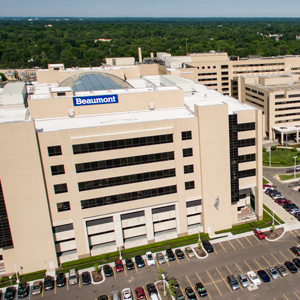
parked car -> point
(151, 289)
(119, 265)
(278, 196)
(48, 283)
(281, 270)
(102, 297)
(139, 261)
(190, 293)
(296, 262)
(86, 278)
(73, 276)
(179, 295)
(170, 254)
(291, 267)
(199, 287)
(150, 259)
(10, 293)
(129, 264)
(233, 282)
(140, 294)
(189, 252)
(126, 294)
(295, 250)
(115, 295)
(207, 246)
(23, 290)
(60, 279)
(36, 288)
(179, 253)
(273, 273)
(294, 211)
(266, 187)
(271, 192)
(263, 275)
(160, 258)
(108, 271)
(243, 280)
(259, 233)
(253, 278)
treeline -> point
(25, 44)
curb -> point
(104, 278)
(273, 240)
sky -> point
(150, 8)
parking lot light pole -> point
(120, 253)
(273, 218)
(295, 157)
(15, 267)
(269, 156)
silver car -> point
(273, 273)
(281, 270)
(115, 295)
(243, 280)
(160, 258)
(189, 251)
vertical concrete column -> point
(149, 225)
(297, 136)
(281, 141)
(118, 230)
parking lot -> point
(230, 257)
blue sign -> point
(92, 100)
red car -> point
(258, 233)
(284, 201)
(119, 265)
(140, 294)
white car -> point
(253, 278)
(150, 259)
(126, 293)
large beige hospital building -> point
(96, 159)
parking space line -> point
(292, 233)
(125, 271)
(231, 245)
(222, 247)
(267, 262)
(184, 295)
(133, 295)
(225, 281)
(136, 268)
(192, 287)
(258, 240)
(215, 251)
(186, 256)
(214, 283)
(203, 284)
(283, 255)
(275, 258)
(285, 297)
(257, 263)
(239, 268)
(296, 295)
(292, 253)
(114, 272)
(177, 259)
(156, 262)
(247, 265)
(145, 293)
(167, 261)
(240, 243)
(248, 241)
(67, 286)
(79, 282)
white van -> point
(73, 276)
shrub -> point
(264, 149)
(294, 150)
(273, 148)
(283, 162)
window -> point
(247, 173)
(294, 96)
(188, 169)
(225, 89)
(60, 188)
(224, 73)
(279, 96)
(56, 69)
(123, 162)
(186, 135)
(57, 170)
(166, 190)
(63, 206)
(246, 126)
(63, 228)
(224, 67)
(246, 143)
(121, 144)
(225, 83)
(61, 94)
(54, 150)
(189, 185)
(187, 152)
(247, 89)
(246, 158)
(127, 179)
(224, 78)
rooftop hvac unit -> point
(71, 112)
(151, 106)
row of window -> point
(246, 126)
(123, 162)
(101, 201)
(294, 95)
(253, 102)
(258, 65)
(287, 102)
(127, 179)
(211, 84)
(286, 121)
(258, 71)
(207, 79)
(287, 108)
(207, 74)
(286, 115)
(255, 97)
(246, 158)
(121, 144)
(246, 143)
(247, 173)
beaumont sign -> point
(92, 100)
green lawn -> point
(281, 157)
(288, 177)
(265, 181)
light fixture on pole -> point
(15, 267)
(295, 157)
